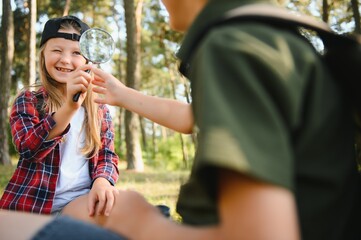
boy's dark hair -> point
(53, 25)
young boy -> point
(275, 153)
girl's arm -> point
(104, 174)
(105, 163)
(78, 82)
(34, 136)
(170, 113)
(104, 169)
(29, 130)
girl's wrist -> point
(101, 181)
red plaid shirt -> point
(32, 186)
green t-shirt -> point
(265, 106)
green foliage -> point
(12, 150)
(20, 55)
(157, 186)
(168, 153)
(6, 172)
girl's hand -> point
(101, 197)
(79, 81)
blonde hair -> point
(93, 116)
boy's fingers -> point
(98, 83)
(99, 90)
(98, 72)
(99, 101)
(98, 79)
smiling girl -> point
(66, 148)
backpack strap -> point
(267, 11)
(342, 53)
(277, 16)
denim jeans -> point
(63, 227)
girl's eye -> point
(77, 53)
(56, 50)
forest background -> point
(144, 59)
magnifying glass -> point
(97, 46)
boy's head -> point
(183, 12)
(52, 26)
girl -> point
(66, 148)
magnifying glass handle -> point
(77, 95)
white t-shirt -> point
(74, 179)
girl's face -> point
(183, 12)
(62, 56)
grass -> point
(157, 186)
(5, 174)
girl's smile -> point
(63, 69)
(62, 56)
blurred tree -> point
(325, 11)
(7, 54)
(119, 59)
(160, 73)
(67, 8)
(356, 15)
(20, 76)
(31, 68)
(133, 14)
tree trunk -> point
(325, 10)
(154, 141)
(183, 147)
(119, 66)
(143, 133)
(356, 15)
(120, 132)
(32, 43)
(132, 22)
(67, 8)
(7, 55)
(187, 95)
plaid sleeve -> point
(105, 163)
(29, 131)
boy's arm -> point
(170, 113)
(249, 209)
(20, 225)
